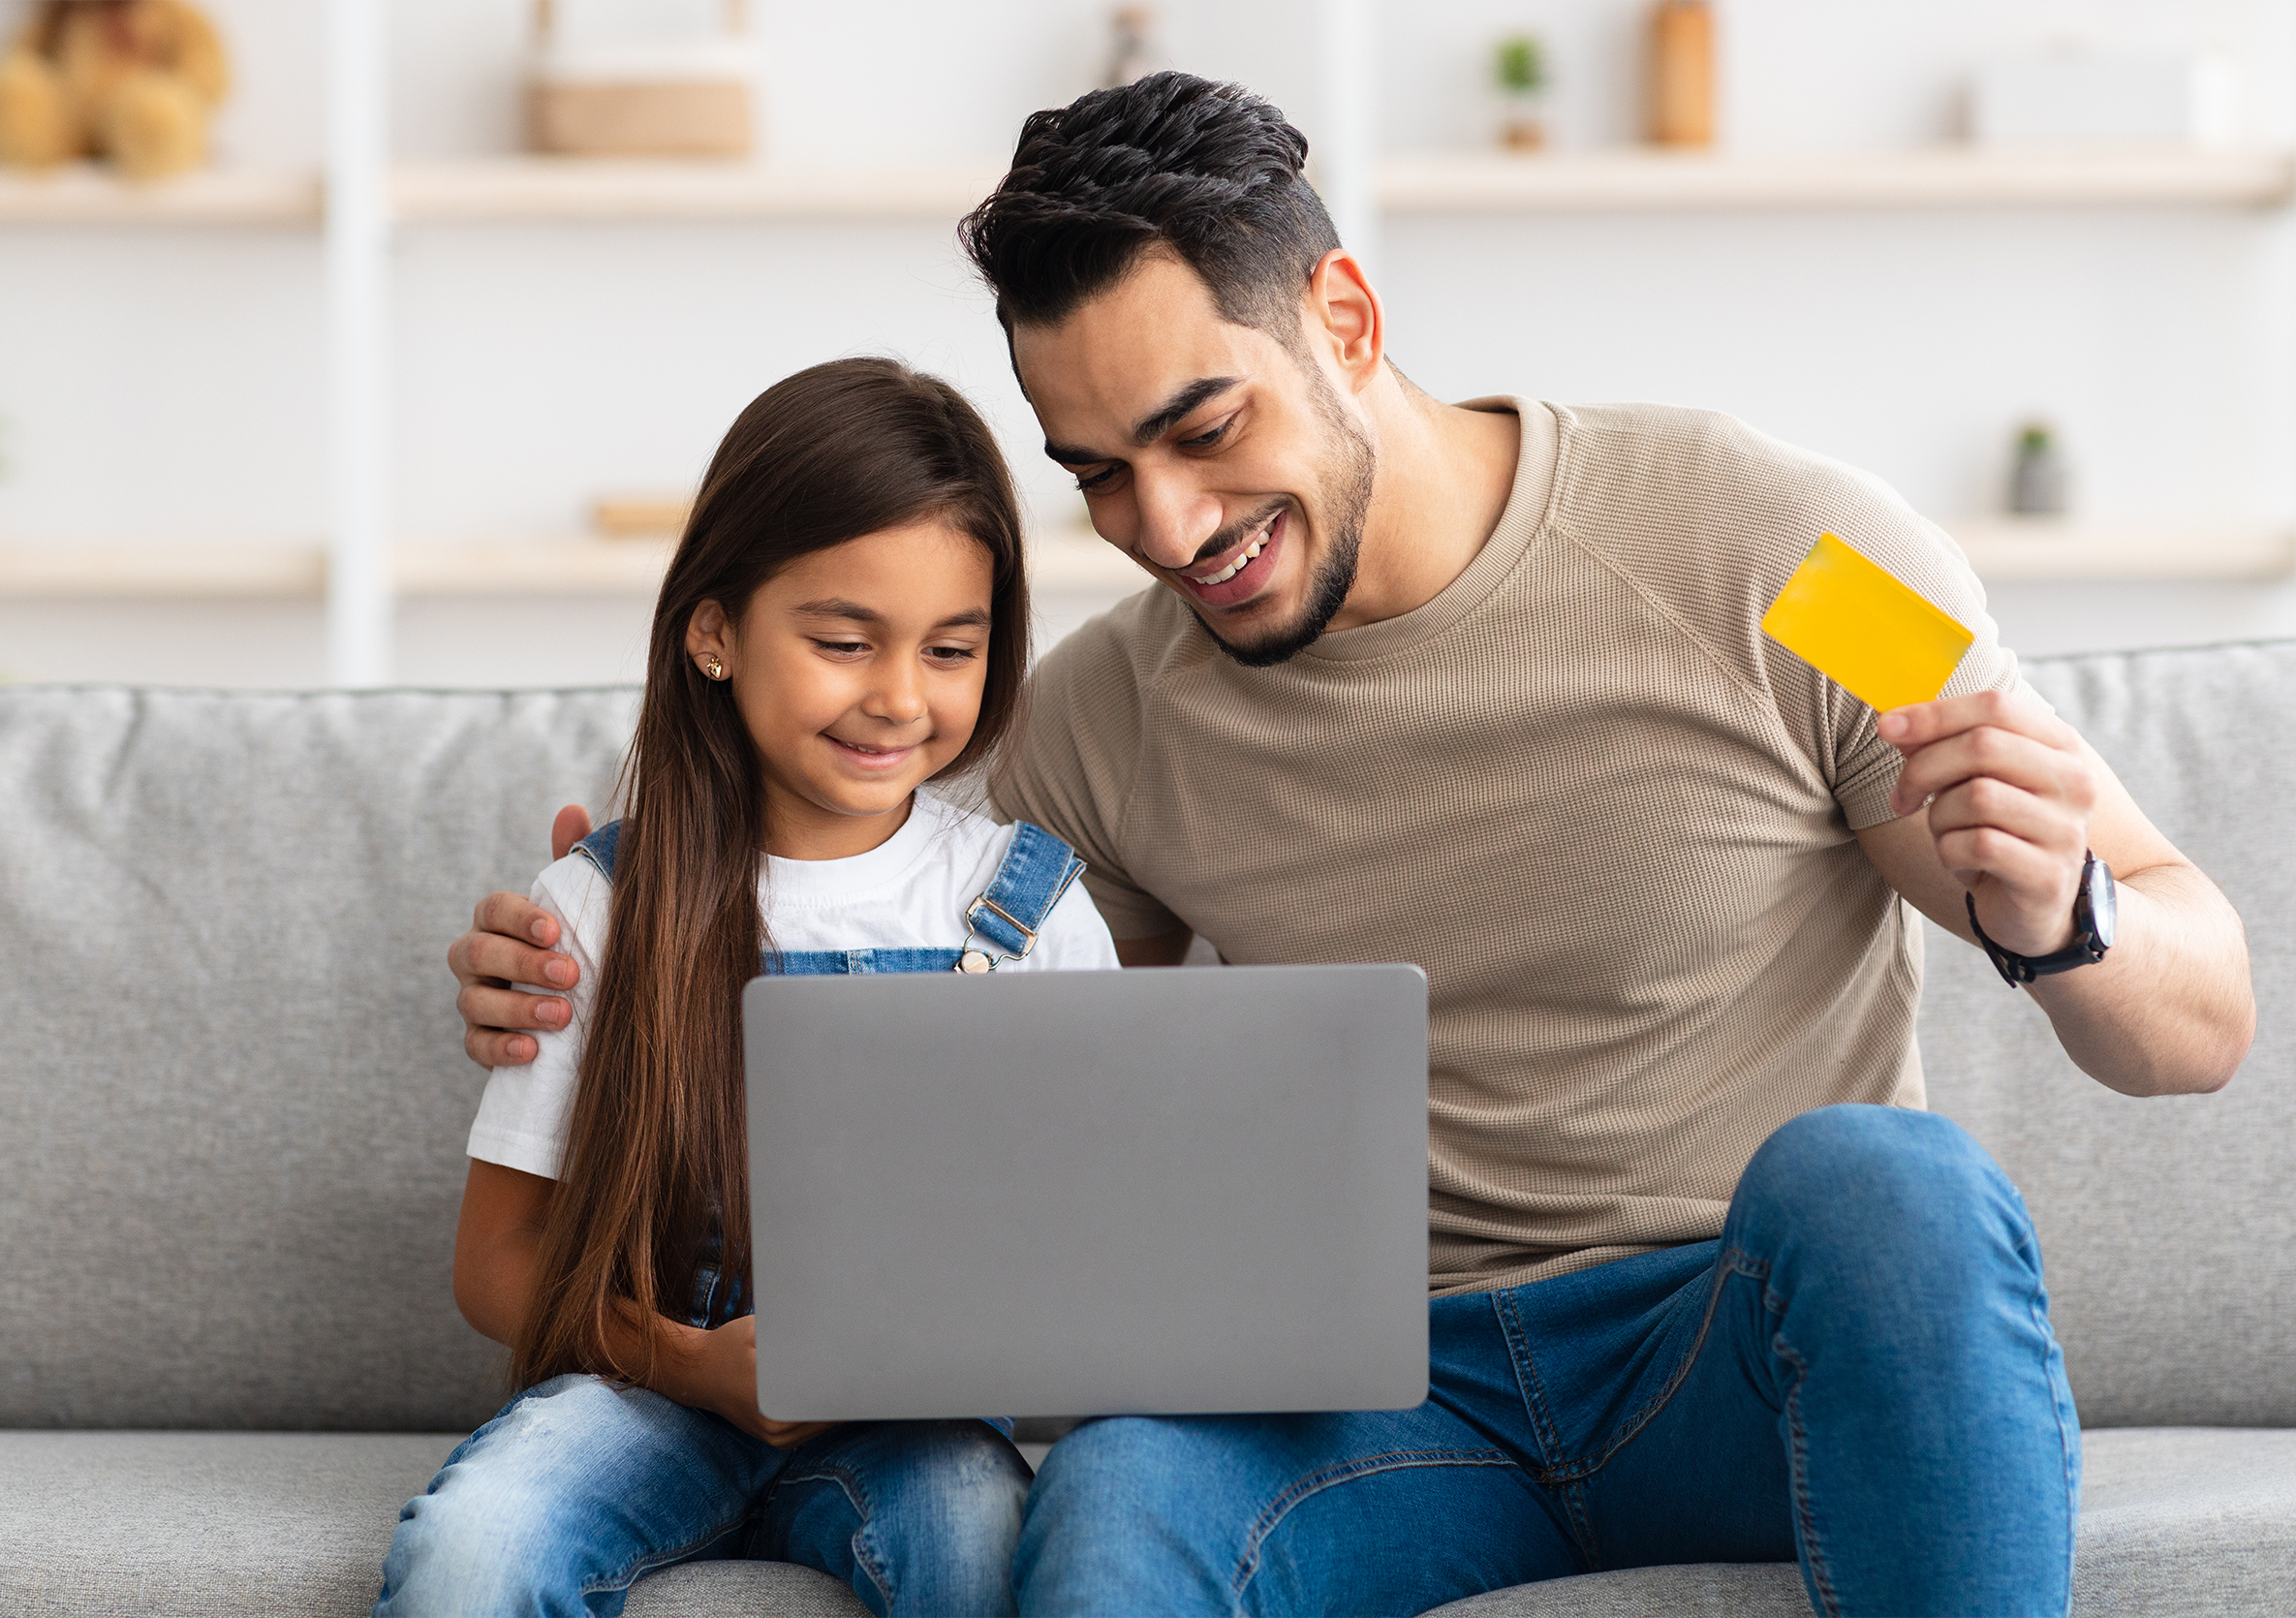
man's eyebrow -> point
(1153, 426)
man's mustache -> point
(1226, 538)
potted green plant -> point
(1519, 66)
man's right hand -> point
(499, 951)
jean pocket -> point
(1599, 1353)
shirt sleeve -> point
(523, 1117)
(1070, 764)
(1922, 556)
(1762, 505)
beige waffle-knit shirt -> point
(1579, 788)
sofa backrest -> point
(233, 1101)
(233, 1094)
(2167, 1225)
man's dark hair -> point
(1210, 171)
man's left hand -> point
(2010, 791)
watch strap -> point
(2086, 948)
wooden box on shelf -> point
(696, 119)
(673, 99)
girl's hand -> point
(726, 1384)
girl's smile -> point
(872, 758)
(858, 674)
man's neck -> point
(1445, 475)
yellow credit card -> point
(1855, 624)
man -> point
(1482, 687)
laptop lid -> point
(1089, 1193)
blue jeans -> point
(1859, 1373)
(578, 1488)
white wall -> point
(164, 386)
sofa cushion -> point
(2175, 1523)
(2168, 1233)
(289, 1525)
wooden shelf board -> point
(576, 567)
(539, 189)
(1943, 176)
(2007, 549)
(1083, 562)
(578, 189)
(177, 571)
(567, 567)
(83, 194)
(2000, 549)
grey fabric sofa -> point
(233, 1104)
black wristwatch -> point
(2094, 910)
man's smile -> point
(1241, 571)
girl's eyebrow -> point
(837, 607)
(853, 612)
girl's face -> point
(858, 672)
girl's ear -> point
(708, 635)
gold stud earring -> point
(715, 669)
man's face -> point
(1230, 468)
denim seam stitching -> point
(649, 1561)
(1805, 1512)
(1527, 1381)
(2038, 1310)
(845, 1478)
(1397, 1460)
(1525, 1365)
(1728, 1263)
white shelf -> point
(173, 572)
(2013, 549)
(1084, 563)
(82, 194)
(508, 189)
(2002, 550)
(571, 567)
(542, 189)
(1937, 177)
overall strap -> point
(1036, 869)
(599, 847)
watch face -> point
(2103, 902)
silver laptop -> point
(1089, 1193)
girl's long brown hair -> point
(656, 1151)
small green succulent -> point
(1521, 64)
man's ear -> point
(708, 634)
(1345, 313)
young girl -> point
(844, 620)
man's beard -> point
(1346, 481)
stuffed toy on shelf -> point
(132, 81)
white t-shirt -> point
(909, 893)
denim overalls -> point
(1000, 925)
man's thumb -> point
(572, 826)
